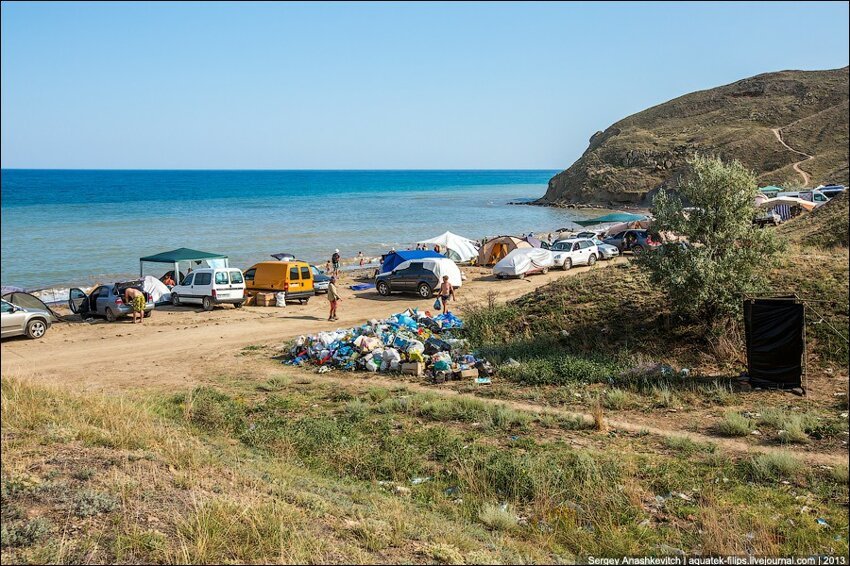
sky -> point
(370, 85)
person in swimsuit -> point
(137, 299)
(446, 291)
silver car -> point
(107, 301)
(20, 321)
(606, 251)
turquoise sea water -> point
(77, 227)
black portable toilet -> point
(776, 341)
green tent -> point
(612, 218)
(174, 257)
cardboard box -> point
(249, 300)
(469, 373)
(265, 299)
(413, 368)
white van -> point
(209, 287)
(811, 195)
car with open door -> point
(107, 301)
(21, 321)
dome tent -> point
(497, 248)
(457, 247)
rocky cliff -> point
(747, 120)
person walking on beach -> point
(333, 298)
(446, 292)
(335, 262)
(136, 299)
(361, 258)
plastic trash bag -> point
(438, 304)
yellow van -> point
(295, 278)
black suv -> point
(413, 278)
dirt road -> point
(796, 166)
(180, 346)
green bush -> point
(773, 466)
(89, 502)
(734, 424)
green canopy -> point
(613, 217)
(174, 257)
(181, 254)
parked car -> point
(107, 301)
(295, 278)
(635, 241)
(574, 251)
(320, 280)
(831, 191)
(209, 287)
(422, 276)
(20, 321)
(768, 218)
(606, 251)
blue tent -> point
(393, 260)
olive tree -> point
(724, 256)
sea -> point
(64, 228)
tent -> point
(791, 201)
(457, 247)
(497, 248)
(174, 257)
(393, 259)
(521, 261)
(633, 225)
(159, 291)
(612, 218)
(283, 256)
(27, 301)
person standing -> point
(361, 258)
(335, 262)
(136, 299)
(446, 291)
(333, 298)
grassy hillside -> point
(827, 226)
(292, 470)
(649, 149)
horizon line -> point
(277, 170)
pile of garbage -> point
(410, 342)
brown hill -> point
(747, 120)
(826, 226)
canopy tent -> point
(174, 257)
(393, 259)
(791, 201)
(457, 247)
(633, 225)
(27, 301)
(497, 248)
(521, 261)
(612, 218)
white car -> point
(575, 251)
(606, 251)
(209, 287)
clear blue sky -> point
(336, 86)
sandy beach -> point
(182, 346)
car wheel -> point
(175, 300)
(568, 263)
(383, 289)
(591, 260)
(36, 328)
(237, 305)
(207, 303)
(148, 314)
(425, 290)
(637, 249)
(545, 270)
(110, 315)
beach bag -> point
(280, 299)
(438, 304)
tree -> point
(725, 255)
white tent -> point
(523, 260)
(455, 247)
(158, 290)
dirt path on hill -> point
(796, 166)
